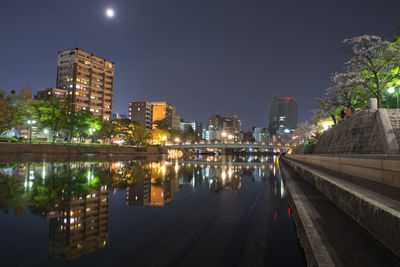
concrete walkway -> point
(328, 235)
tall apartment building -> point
(282, 115)
(141, 112)
(89, 80)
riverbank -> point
(340, 216)
(11, 148)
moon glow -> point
(110, 12)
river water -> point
(202, 211)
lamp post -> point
(30, 123)
(391, 90)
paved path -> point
(330, 237)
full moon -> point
(109, 12)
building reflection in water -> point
(83, 226)
(75, 197)
(157, 188)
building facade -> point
(141, 112)
(162, 112)
(261, 135)
(176, 121)
(89, 80)
(194, 127)
(221, 128)
(46, 93)
(282, 115)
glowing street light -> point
(163, 139)
(91, 131)
(392, 90)
(30, 123)
(177, 140)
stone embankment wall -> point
(366, 132)
(9, 148)
(394, 116)
(383, 169)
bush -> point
(8, 139)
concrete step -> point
(376, 207)
(328, 236)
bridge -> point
(204, 163)
(230, 147)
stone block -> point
(392, 165)
(386, 132)
(362, 162)
(362, 172)
(391, 178)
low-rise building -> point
(142, 112)
(46, 93)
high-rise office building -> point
(282, 115)
(89, 80)
(141, 112)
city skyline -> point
(212, 54)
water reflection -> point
(75, 196)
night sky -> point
(203, 56)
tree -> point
(52, 113)
(108, 130)
(132, 132)
(160, 136)
(344, 92)
(13, 112)
(91, 124)
(374, 65)
(307, 131)
(77, 124)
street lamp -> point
(30, 123)
(223, 135)
(163, 139)
(177, 140)
(91, 131)
(391, 90)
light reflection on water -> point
(75, 196)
